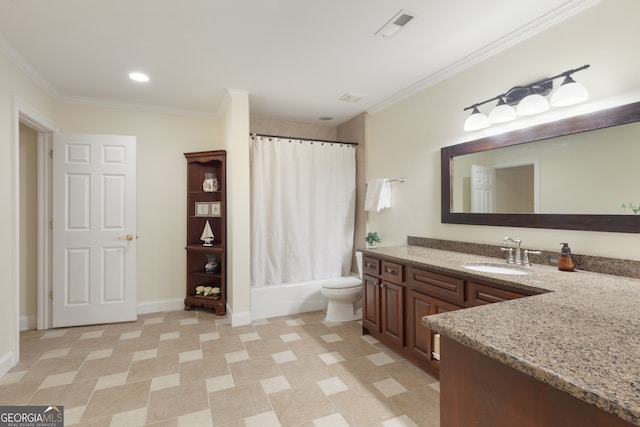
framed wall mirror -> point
(571, 174)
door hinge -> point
(51, 295)
(51, 154)
(51, 224)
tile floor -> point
(191, 368)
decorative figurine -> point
(207, 235)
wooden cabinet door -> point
(371, 304)
(393, 312)
(421, 338)
(420, 341)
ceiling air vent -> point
(351, 97)
(395, 24)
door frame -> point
(25, 113)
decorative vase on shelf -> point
(212, 265)
(207, 235)
(210, 183)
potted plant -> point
(372, 239)
(635, 208)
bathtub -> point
(287, 298)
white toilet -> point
(343, 293)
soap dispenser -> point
(566, 262)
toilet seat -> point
(343, 283)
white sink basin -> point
(497, 268)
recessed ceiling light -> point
(139, 77)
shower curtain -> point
(302, 209)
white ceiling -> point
(295, 58)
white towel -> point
(378, 195)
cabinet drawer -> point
(437, 285)
(478, 294)
(371, 266)
(392, 272)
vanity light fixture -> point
(528, 99)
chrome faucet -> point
(518, 255)
(519, 258)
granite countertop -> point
(580, 335)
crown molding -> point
(18, 60)
(94, 102)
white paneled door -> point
(94, 229)
(483, 189)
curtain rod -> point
(302, 139)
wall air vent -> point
(395, 24)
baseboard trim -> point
(7, 361)
(147, 307)
(28, 322)
(175, 304)
(239, 319)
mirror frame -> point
(615, 116)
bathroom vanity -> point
(544, 348)
(397, 295)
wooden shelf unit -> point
(199, 164)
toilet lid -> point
(342, 282)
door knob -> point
(129, 237)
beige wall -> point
(161, 191)
(296, 129)
(405, 139)
(355, 131)
(236, 140)
(28, 222)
